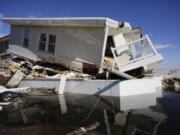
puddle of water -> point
(170, 104)
(61, 115)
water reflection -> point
(44, 113)
(170, 103)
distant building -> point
(4, 43)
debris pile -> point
(32, 70)
(14, 69)
(171, 84)
(109, 62)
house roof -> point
(84, 21)
(6, 37)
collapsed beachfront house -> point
(93, 45)
(96, 44)
(83, 43)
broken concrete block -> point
(15, 80)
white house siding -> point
(16, 35)
(72, 43)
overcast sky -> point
(158, 18)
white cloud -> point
(31, 16)
(163, 46)
(34, 15)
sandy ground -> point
(174, 73)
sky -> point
(160, 19)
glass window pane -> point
(52, 39)
(26, 42)
(147, 48)
(42, 46)
(26, 35)
(43, 37)
(26, 38)
(140, 49)
(51, 48)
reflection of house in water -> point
(4, 42)
(77, 111)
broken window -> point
(42, 42)
(26, 38)
(141, 48)
(51, 44)
(133, 51)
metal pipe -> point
(119, 73)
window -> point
(47, 42)
(26, 38)
(51, 44)
(6, 44)
(42, 42)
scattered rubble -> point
(9, 96)
(22, 68)
(109, 62)
(15, 80)
(171, 84)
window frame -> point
(26, 39)
(51, 43)
(47, 42)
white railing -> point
(133, 52)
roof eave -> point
(62, 21)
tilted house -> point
(81, 42)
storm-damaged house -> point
(100, 53)
(81, 43)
